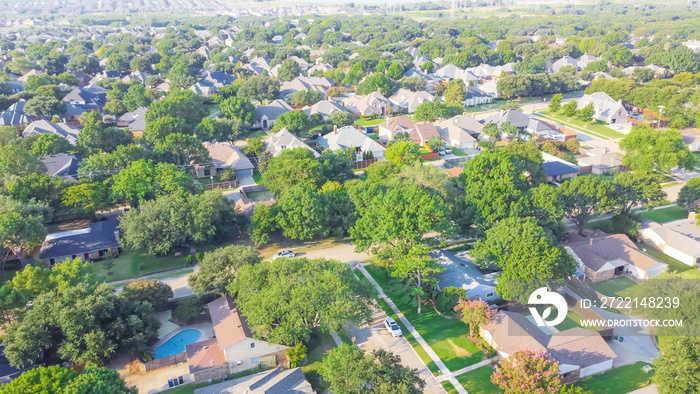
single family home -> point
(93, 242)
(679, 239)
(349, 137)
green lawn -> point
(594, 128)
(449, 387)
(665, 214)
(133, 265)
(257, 177)
(576, 318)
(173, 274)
(458, 152)
(369, 122)
(263, 195)
(7, 274)
(618, 380)
(317, 348)
(447, 337)
(478, 381)
(673, 264)
(621, 286)
(213, 108)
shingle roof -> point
(273, 110)
(225, 155)
(603, 250)
(45, 127)
(14, 115)
(556, 168)
(349, 137)
(512, 115)
(204, 355)
(64, 165)
(284, 139)
(230, 325)
(98, 236)
(276, 381)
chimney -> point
(116, 235)
(335, 129)
(605, 150)
(590, 242)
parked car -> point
(441, 151)
(448, 150)
(284, 253)
(615, 127)
(392, 327)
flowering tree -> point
(473, 313)
(527, 372)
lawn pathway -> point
(469, 368)
(446, 374)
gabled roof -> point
(276, 381)
(230, 325)
(14, 115)
(273, 110)
(135, 120)
(398, 124)
(424, 131)
(64, 165)
(85, 98)
(604, 251)
(368, 105)
(98, 236)
(459, 129)
(225, 155)
(682, 235)
(325, 108)
(284, 139)
(556, 168)
(45, 127)
(349, 137)
(405, 97)
(512, 115)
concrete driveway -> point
(377, 337)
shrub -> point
(448, 299)
(296, 355)
(188, 309)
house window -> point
(566, 375)
(207, 172)
(255, 360)
(252, 345)
(488, 295)
(73, 256)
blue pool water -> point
(176, 344)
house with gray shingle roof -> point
(515, 117)
(276, 381)
(14, 115)
(349, 137)
(64, 165)
(607, 109)
(266, 115)
(326, 108)
(45, 127)
(462, 131)
(90, 243)
(283, 140)
(679, 239)
(406, 101)
(135, 121)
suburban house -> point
(326, 108)
(599, 161)
(424, 132)
(138, 76)
(135, 121)
(203, 89)
(462, 273)
(400, 124)
(280, 381)
(565, 61)
(579, 352)
(225, 156)
(431, 81)
(450, 72)
(284, 139)
(558, 169)
(604, 256)
(217, 79)
(491, 88)
(14, 115)
(94, 242)
(606, 109)
(318, 84)
(544, 130)
(586, 58)
(475, 96)
(373, 104)
(321, 67)
(349, 137)
(679, 239)
(266, 115)
(233, 349)
(461, 132)
(64, 165)
(515, 117)
(73, 113)
(86, 98)
(45, 127)
(406, 101)
(691, 138)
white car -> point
(448, 150)
(284, 253)
(441, 152)
(392, 327)
(615, 127)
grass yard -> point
(447, 337)
(458, 152)
(621, 286)
(257, 177)
(263, 195)
(594, 128)
(618, 380)
(213, 108)
(369, 122)
(173, 274)
(665, 214)
(449, 387)
(478, 381)
(7, 274)
(133, 265)
(317, 348)
(673, 264)
(576, 318)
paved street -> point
(377, 337)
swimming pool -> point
(176, 344)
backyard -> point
(618, 380)
(673, 264)
(317, 348)
(665, 214)
(597, 129)
(446, 336)
(621, 286)
(369, 122)
(133, 265)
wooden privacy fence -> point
(251, 189)
(364, 163)
(163, 362)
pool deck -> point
(206, 329)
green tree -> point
(152, 291)
(418, 271)
(585, 197)
(88, 64)
(239, 108)
(49, 380)
(289, 69)
(301, 214)
(263, 222)
(393, 222)
(676, 367)
(570, 108)
(185, 105)
(395, 71)
(18, 162)
(555, 103)
(690, 192)
(182, 149)
(189, 309)
(296, 355)
(89, 197)
(297, 122)
(647, 149)
(95, 138)
(455, 92)
(116, 62)
(258, 88)
(341, 119)
(135, 182)
(135, 97)
(528, 257)
(292, 167)
(349, 369)
(638, 188)
(403, 152)
(101, 380)
(377, 82)
(181, 76)
(286, 300)
(219, 268)
(20, 233)
(44, 106)
(586, 113)
(37, 187)
(51, 144)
